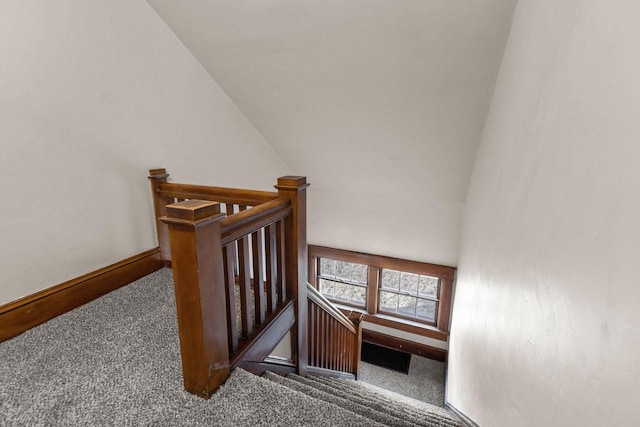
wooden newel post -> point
(357, 318)
(294, 187)
(198, 274)
(157, 177)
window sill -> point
(398, 323)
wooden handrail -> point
(261, 250)
(250, 220)
(327, 306)
(218, 194)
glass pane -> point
(407, 305)
(426, 310)
(343, 270)
(327, 267)
(327, 288)
(359, 295)
(429, 286)
(409, 282)
(388, 301)
(359, 273)
(390, 279)
(342, 292)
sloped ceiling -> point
(370, 99)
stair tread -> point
(370, 399)
(382, 417)
(386, 397)
(386, 394)
(279, 405)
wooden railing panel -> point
(334, 339)
(258, 243)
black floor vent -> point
(385, 357)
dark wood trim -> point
(318, 299)
(21, 315)
(373, 278)
(402, 325)
(320, 372)
(247, 221)
(442, 271)
(218, 194)
(404, 345)
(468, 422)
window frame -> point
(376, 263)
(336, 279)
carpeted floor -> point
(425, 381)
(116, 361)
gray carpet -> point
(116, 361)
(424, 382)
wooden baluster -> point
(229, 208)
(257, 248)
(282, 262)
(295, 188)
(198, 272)
(310, 329)
(272, 266)
(230, 286)
(325, 341)
(244, 280)
(341, 349)
(316, 329)
(322, 348)
(349, 351)
(157, 177)
(332, 343)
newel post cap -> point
(292, 182)
(192, 211)
(158, 173)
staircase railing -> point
(239, 260)
(334, 338)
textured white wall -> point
(92, 95)
(546, 325)
(379, 103)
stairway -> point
(319, 401)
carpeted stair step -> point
(348, 404)
(386, 396)
(371, 400)
(390, 398)
(248, 400)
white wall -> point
(92, 95)
(379, 103)
(546, 322)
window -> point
(385, 288)
(409, 295)
(343, 282)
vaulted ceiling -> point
(370, 99)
